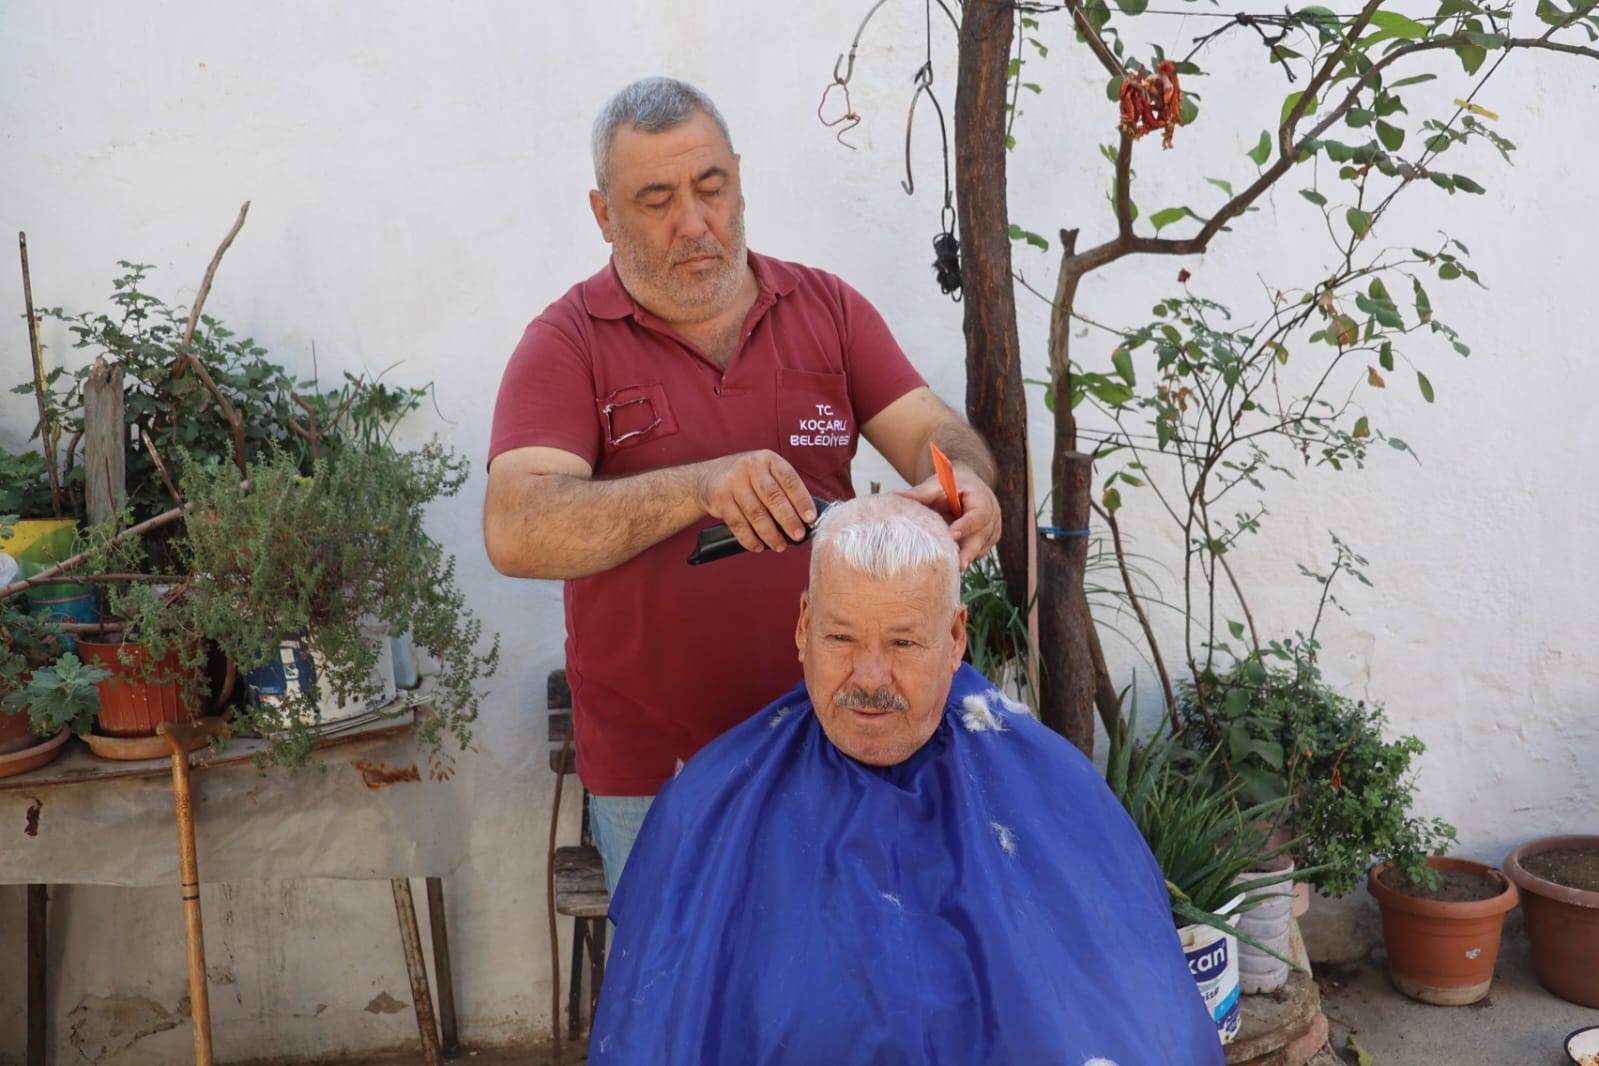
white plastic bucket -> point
(1213, 961)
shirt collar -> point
(604, 296)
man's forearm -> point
(962, 444)
(561, 526)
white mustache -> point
(859, 699)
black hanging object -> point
(948, 264)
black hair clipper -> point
(718, 542)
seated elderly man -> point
(893, 863)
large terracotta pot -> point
(1562, 923)
(130, 706)
(1438, 951)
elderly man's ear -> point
(958, 632)
(799, 627)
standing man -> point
(691, 382)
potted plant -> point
(1441, 923)
(1559, 879)
(43, 691)
(341, 556)
(262, 507)
(1284, 734)
(1206, 841)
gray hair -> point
(885, 536)
(650, 105)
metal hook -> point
(924, 83)
(849, 116)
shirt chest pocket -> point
(634, 418)
(815, 422)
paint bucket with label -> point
(1213, 961)
(286, 678)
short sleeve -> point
(546, 396)
(879, 371)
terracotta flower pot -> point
(1439, 951)
(1562, 923)
(131, 706)
(14, 733)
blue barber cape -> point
(986, 901)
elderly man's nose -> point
(870, 670)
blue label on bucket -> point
(64, 603)
(1213, 963)
(291, 675)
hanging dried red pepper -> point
(1152, 102)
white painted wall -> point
(418, 174)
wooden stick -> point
(187, 358)
(46, 431)
(44, 576)
(210, 273)
(180, 737)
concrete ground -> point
(1519, 1024)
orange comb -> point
(946, 479)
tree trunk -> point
(1067, 701)
(995, 405)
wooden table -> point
(383, 792)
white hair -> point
(883, 537)
(650, 105)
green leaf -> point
(1359, 221)
(1385, 356)
(1391, 24)
(1019, 234)
(1414, 80)
(1465, 184)
(1448, 271)
(1314, 197)
(1291, 101)
(1262, 151)
(1189, 109)
(1162, 219)
(1426, 386)
(1551, 14)
(1358, 117)
(1471, 56)
(1362, 428)
(1112, 501)
(1132, 7)
(1236, 629)
(1390, 136)
(1224, 186)
(1122, 360)
(1423, 305)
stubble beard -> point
(672, 294)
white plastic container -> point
(1213, 960)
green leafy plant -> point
(340, 554)
(1283, 734)
(24, 488)
(261, 506)
(53, 688)
(1203, 837)
(997, 641)
(1289, 737)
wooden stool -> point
(579, 876)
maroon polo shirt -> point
(663, 657)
